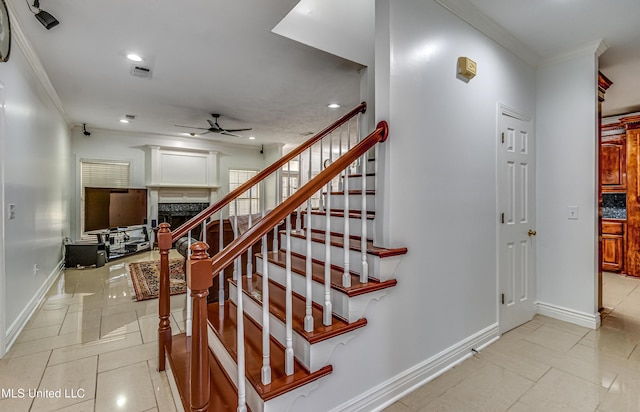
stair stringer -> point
(253, 399)
(349, 308)
(177, 399)
(313, 356)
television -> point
(107, 208)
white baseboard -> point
(16, 327)
(397, 387)
(568, 315)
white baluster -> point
(250, 250)
(265, 371)
(275, 229)
(328, 308)
(364, 274)
(346, 275)
(204, 230)
(322, 200)
(221, 278)
(308, 318)
(288, 360)
(189, 306)
(298, 186)
(242, 407)
(236, 263)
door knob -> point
(531, 232)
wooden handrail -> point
(226, 256)
(263, 174)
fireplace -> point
(178, 213)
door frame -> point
(503, 109)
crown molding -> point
(30, 54)
(477, 19)
(595, 48)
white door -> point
(516, 234)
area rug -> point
(145, 277)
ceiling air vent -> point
(141, 71)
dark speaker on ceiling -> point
(47, 20)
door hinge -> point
(502, 218)
(502, 137)
(502, 298)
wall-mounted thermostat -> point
(466, 67)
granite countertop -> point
(614, 213)
(614, 206)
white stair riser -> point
(355, 183)
(355, 202)
(371, 166)
(254, 401)
(315, 356)
(337, 225)
(379, 268)
(351, 309)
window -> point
(250, 197)
(102, 174)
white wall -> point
(566, 154)
(36, 174)
(439, 174)
(112, 145)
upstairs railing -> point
(338, 163)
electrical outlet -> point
(12, 211)
(35, 269)
(572, 212)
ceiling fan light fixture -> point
(134, 57)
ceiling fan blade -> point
(213, 125)
(191, 127)
(236, 130)
(226, 132)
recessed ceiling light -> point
(333, 106)
(189, 134)
(124, 121)
(252, 138)
(134, 57)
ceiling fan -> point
(215, 127)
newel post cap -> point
(199, 273)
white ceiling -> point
(222, 57)
(206, 56)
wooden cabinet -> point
(613, 244)
(613, 159)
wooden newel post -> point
(164, 327)
(199, 280)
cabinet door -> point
(612, 253)
(614, 166)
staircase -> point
(270, 340)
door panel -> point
(516, 244)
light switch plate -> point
(573, 212)
(12, 211)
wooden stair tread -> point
(277, 307)
(352, 192)
(298, 265)
(337, 239)
(224, 326)
(354, 214)
(224, 395)
(360, 175)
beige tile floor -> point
(548, 365)
(91, 339)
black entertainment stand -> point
(109, 244)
